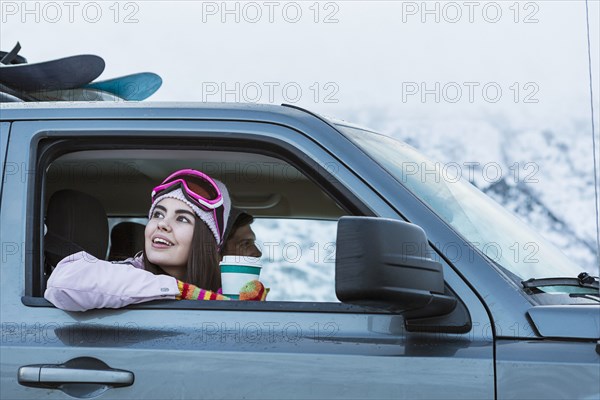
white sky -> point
(374, 50)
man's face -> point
(242, 243)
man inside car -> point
(240, 240)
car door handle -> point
(83, 370)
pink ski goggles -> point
(197, 186)
(200, 189)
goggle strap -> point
(219, 219)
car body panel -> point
(200, 352)
(311, 355)
(547, 369)
(154, 111)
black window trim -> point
(47, 149)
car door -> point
(214, 349)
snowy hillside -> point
(298, 259)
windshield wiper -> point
(586, 296)
(584, 280)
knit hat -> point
(208, 217)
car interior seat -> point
(75, 221)
(126, 239)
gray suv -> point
(436, 291)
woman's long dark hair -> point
(203, 262)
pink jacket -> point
(81, 282)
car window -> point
(295, 219)
(487, 226)
(298, 258)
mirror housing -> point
(384, 263)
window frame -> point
(4, 136)
(50, 148)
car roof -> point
(150, 110)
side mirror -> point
(384, 263)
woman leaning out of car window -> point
(185, 230)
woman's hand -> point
(254, 291)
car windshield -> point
(493, 230)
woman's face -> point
(168, 236)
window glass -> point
(295, 220)
(494, 231)
(298, 258)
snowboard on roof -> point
(80, 94)
(63, 73)
(134, 87)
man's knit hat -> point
(207, 216)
